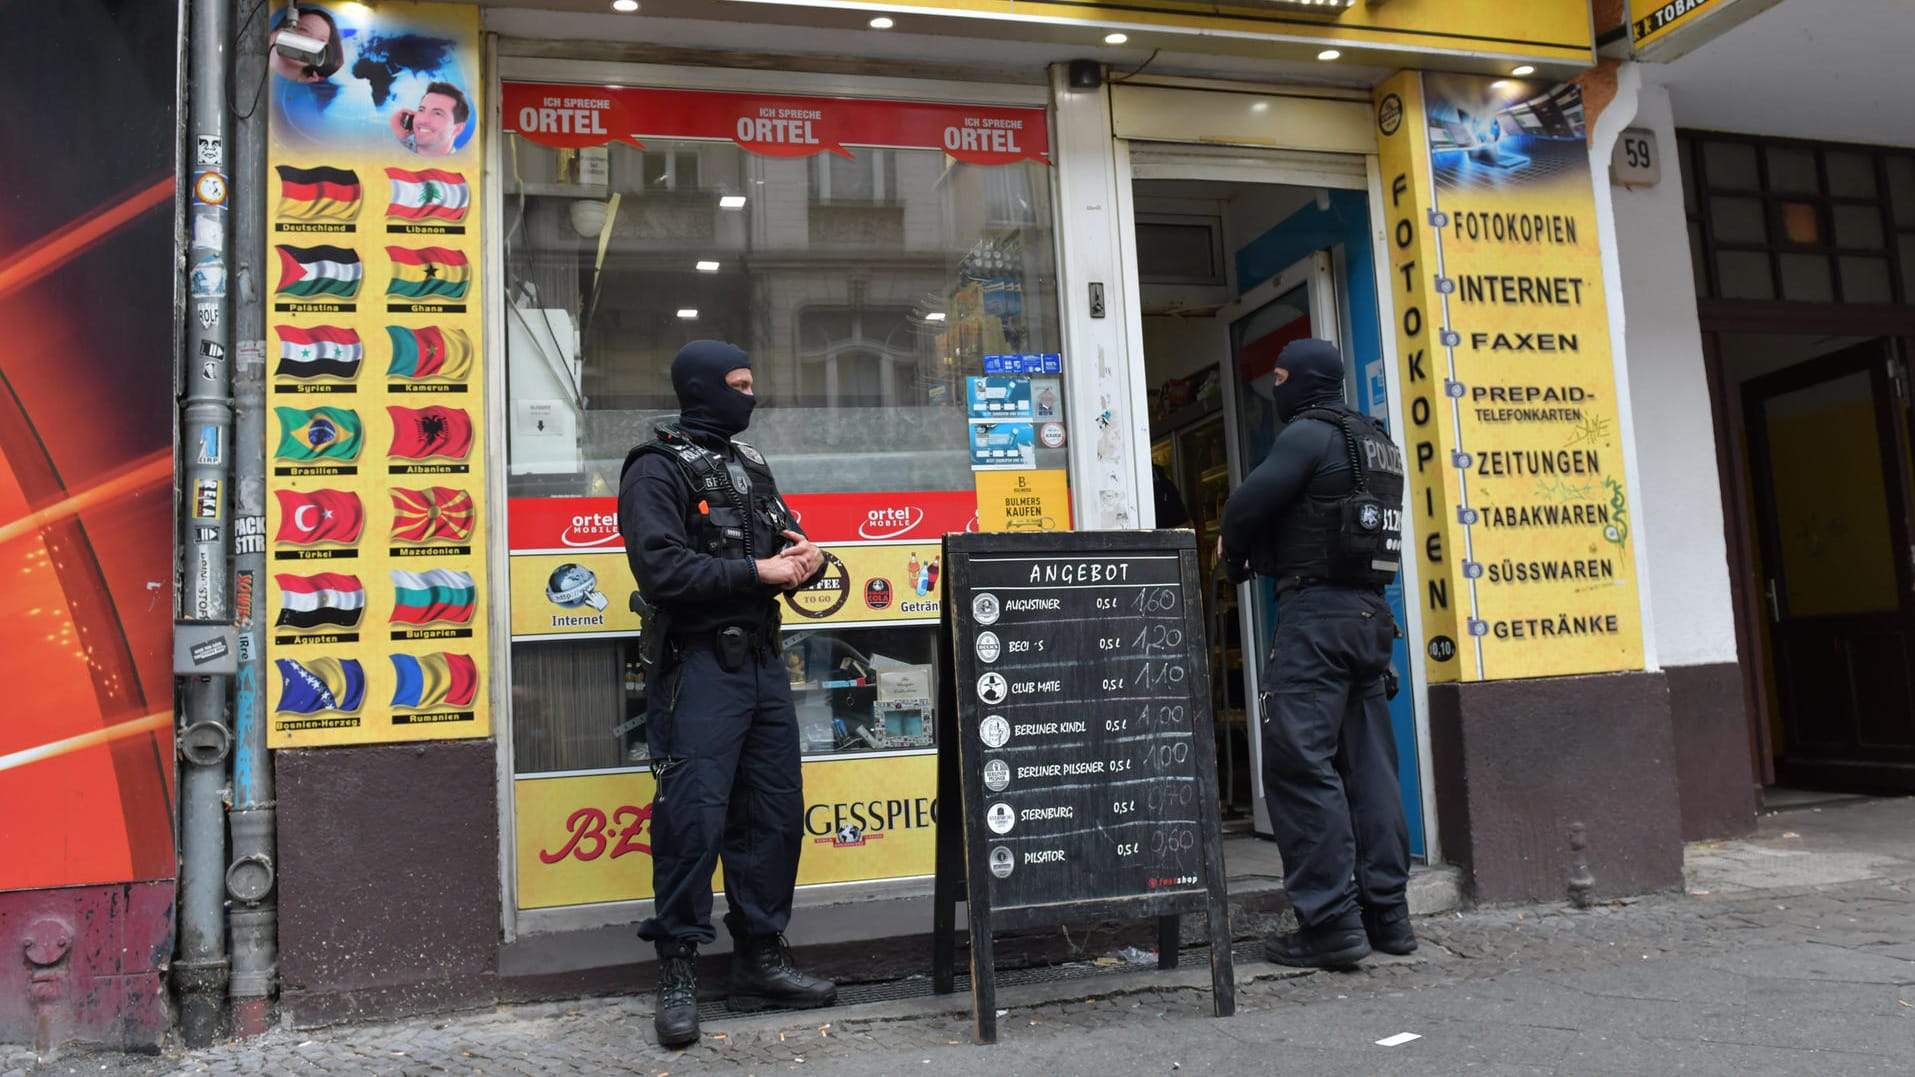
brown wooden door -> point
(1832, 481)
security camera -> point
(299, 48)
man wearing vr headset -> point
(712, 547)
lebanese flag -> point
(431, 192)
(308, 518)
(435, 431)
(321, 351)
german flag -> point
(427, 273)
(318, 194)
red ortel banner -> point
(591, 523)
(774, 126)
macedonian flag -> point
(428, 273)
(434, 514)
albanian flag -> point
(432, 352)
(305, 272)
(318, 194)
(309, 518)
(433, 514)
(428, 194)
(435, 431)
(427, 273)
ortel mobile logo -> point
(591, 529)
(890, 523)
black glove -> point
(1236, 571)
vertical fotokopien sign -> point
(375, 445)
(1520, 516)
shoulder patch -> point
(748, 452)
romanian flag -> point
(438, 594)
(327, 600)
(324, 351)
(434, 680)
(428, 194)
(310, 517)
(318, 194)
(432, 352)
(318, 434)
(427, 273)
(320, 684)
(305, 272)
(435, 431)
(437, 512)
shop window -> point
(1739, 220)
(1851, 175)
(1792, 169)
(1858, 227)
(1806, 278)
(868, 179)
(1744, 275)
(1731, 165)
(1865, 280)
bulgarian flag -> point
(318, 194)
(428, 193)
(428, 273)
(432, 352)
(323, 351)
(324, 270)
(438, 594)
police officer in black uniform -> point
(712, 547)
(1321, 517)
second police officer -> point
(712, 547)
(1321, 516)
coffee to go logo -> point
(825, 597)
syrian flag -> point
(320, 684)
(432, 352)
(438, 594)
(324, 351)
(432, 192)
(329, 599)
(305, 272)
(309, 518)
(432, 514)
(428, 273)
(435, 431)
(434, 680)
(318, 194)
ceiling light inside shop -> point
(708, 267)
(934, 316)
(1328, 54)
(882, 23)
(1116, 39)
(625, 5)
(1524, 69)
(689, 314)
(732, 201)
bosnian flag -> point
(430, 192)
(323, 351)
(434, 680)
(432, 514)
(323, 270)
(433, 352)
(318, 194)
(435, 431)
(438, 594)
(320, 684)
(329, 599)
(310, 517)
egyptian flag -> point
(434, 680)
(318, 194)
(432, 352)
(427, 273)
(305, 272)
(320, 684)
(324, 351)
(327, 600)
(435, 431)
(427, 194)
(318, 434)
(438, 594)
(310, 518)
(432, 514)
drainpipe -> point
(253, 915)
(200, 969)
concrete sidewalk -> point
(1792, 952)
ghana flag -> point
(317, 434)
(435, 431)
(305, 272)
(438, 594)
(318, 194)
(323, 351)
(320, 684)
(432, 514)
(426, 194)
(427, 273)
(434, 680)
(432, 352)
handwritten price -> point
(591, 833)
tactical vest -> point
(718, 521)
(1354, 539)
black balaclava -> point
(1316, 376)
(706, 405)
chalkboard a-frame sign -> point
(1075, 728)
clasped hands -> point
(794, 564)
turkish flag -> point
(309, 517)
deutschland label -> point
(316, 228)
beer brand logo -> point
(890, 523)
(1389, 114)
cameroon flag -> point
(432, 352)
(318, 434)
(427, 273)
(318, 194)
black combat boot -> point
(1340, 943)
(676, 1020)
(1389, 929)
(762, 977)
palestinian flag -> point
(427, 273)
(320, 684)
(318, 194)
(432, 514)
(309, 518)
(328, 600)
(428, 194)
(435, 431)
(434, 680)
(318, 434)
(305, 272)
(324, 351)
(432, 352)
(438, 594)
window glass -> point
(1791, 169)
(1731, 165)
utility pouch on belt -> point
(733, 646)
(654, 630)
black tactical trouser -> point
(724, 750)
(1329, 757)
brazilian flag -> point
(318, 434)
